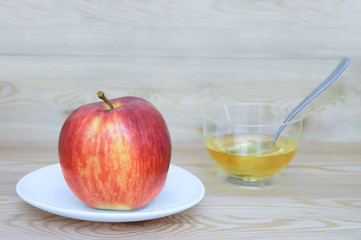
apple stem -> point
(102, 96)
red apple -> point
(115, 154)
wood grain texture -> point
(37, 93)
(184, 55)
(319, 199)
(209, 28)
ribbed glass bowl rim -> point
(298, 118)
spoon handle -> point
(325, 84)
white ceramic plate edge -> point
(101, 215)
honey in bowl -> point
(231, 152)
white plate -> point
(46, 189)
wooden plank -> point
(318, 199)
(282, 29)
(37, 93)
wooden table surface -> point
(182, 56)
(320, 198)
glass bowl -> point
(233, 134)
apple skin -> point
(115, 158)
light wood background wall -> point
(181, 56)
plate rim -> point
(99, 215)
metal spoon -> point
(261, 147)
